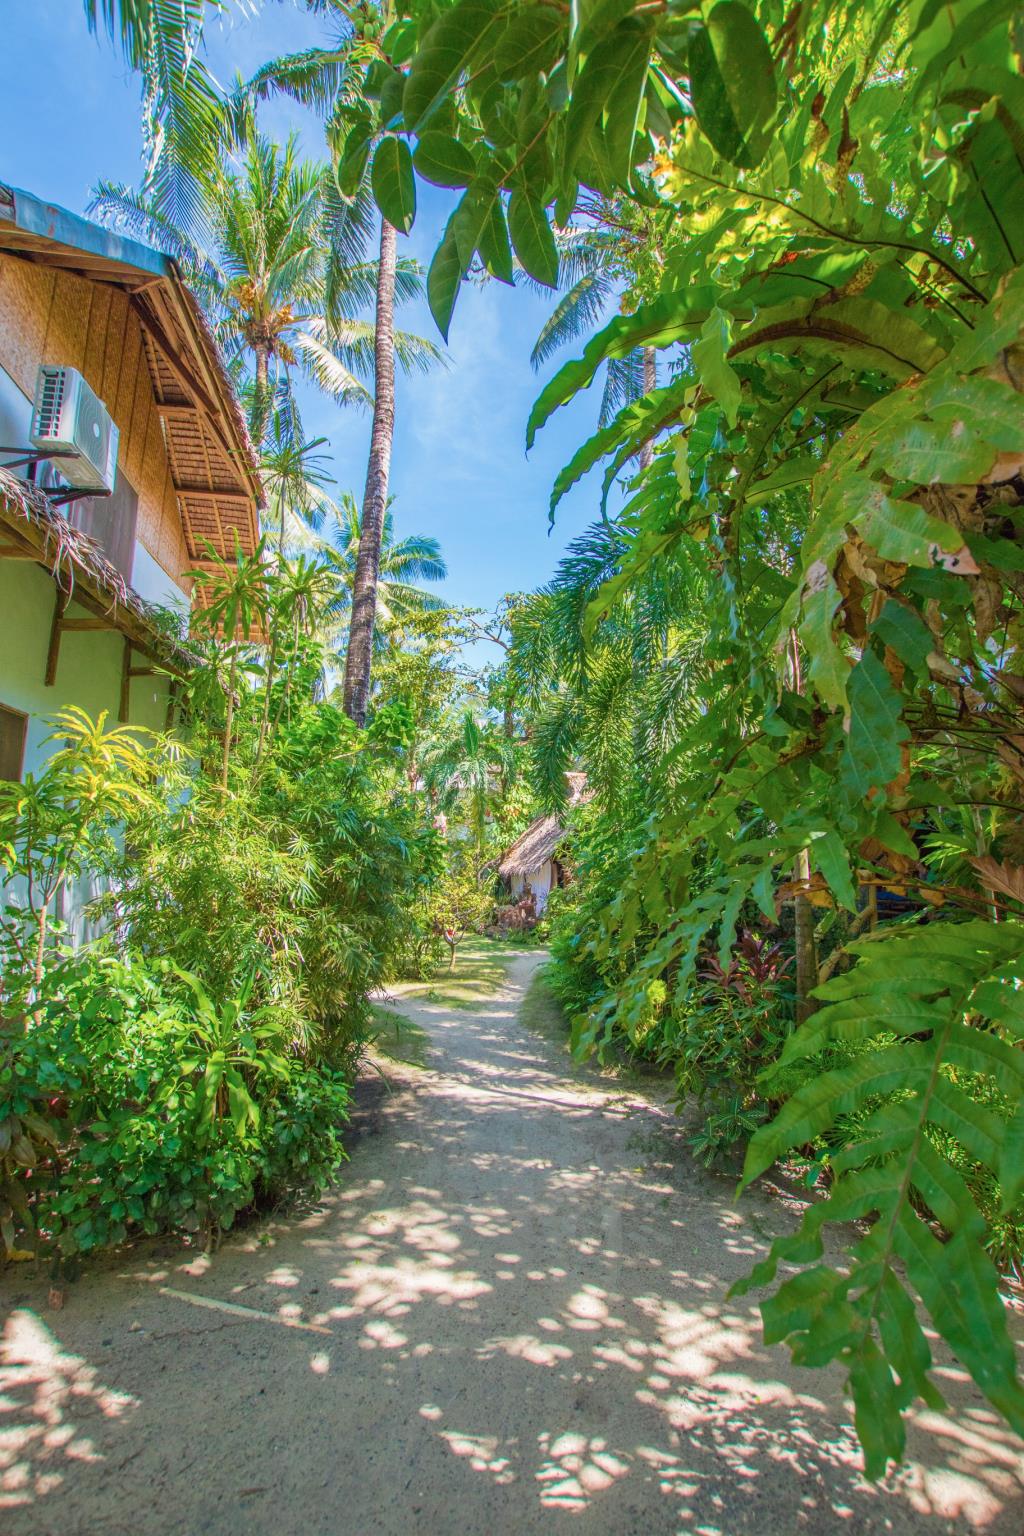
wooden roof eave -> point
(33, 530)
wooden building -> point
(81, 583)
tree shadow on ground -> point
(525, 1328)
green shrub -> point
(162, 1112)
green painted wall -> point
(88, 674)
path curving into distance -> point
(509, 1318)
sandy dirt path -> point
(512, 1318)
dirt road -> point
(511, 1317)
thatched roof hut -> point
(531, 862)
(533, 848)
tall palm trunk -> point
(375, 496)
(261, 399)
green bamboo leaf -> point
(532, 239)
(393, 182)
(732, 83)
(440, 158)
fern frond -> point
(917, 1013)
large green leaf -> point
(876, 735)
(444, 278)
(732, 83)
(495, 249)
(612, 81)
(531, 42)
(710, 357)
(532, 239)
(673, 317)
(458, 35)
(393, 182)
(922, 986)
(440, 158)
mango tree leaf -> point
(444, 278)
(494, 247)
(612, 80)
(711, 361)
(877, 734)
(530, 43)
(471, 218)
(393, 182)
(353, 162)
(459, 34)
(440, 158)
(532, 239)
(732, 83)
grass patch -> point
(542, 1014)
(481, 966)
(399, 1038)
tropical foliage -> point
(835, 477)
(788, 655)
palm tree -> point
(471, 763)
(358, 658)
(333, 80)
(275, 263)
(591, 269)
(182, 112)
(403, 564)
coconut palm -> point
(333, 80)
(403, 564)
(182, 112)
(276, 266)
(469, 765)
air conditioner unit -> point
(72, 422)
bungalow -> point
(88, 558)
(532, 863)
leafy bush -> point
(160, 1110)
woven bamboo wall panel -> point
(25, 296)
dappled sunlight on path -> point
(522, 1283)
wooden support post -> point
(126, 682)
(60, 603)
(172, 699)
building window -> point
(13, 726)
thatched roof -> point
(533, 848)
(214, 467)
(32, 528)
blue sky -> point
(69, 115)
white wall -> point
(539, 881)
